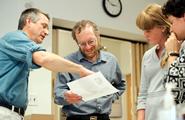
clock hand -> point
(113, 4)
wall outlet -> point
(32, 100)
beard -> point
(90, 55)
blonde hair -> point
(151, 17)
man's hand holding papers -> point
(91, 87)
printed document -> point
(92, 86)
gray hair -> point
(31, 13)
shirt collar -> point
(102, 57)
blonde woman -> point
(156, 30)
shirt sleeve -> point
(141, 100)
(21, 50)
(61, 87)
(118, 82)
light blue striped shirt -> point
(109, 67)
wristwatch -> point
(173, 53)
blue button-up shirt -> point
(15, 63)
(109, 67)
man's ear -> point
(28, 21)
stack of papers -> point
(92, 87)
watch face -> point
(112, 7)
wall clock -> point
(112, 7)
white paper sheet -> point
(92, 86)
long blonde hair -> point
(150, 17)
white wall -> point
(72, 10)
(75, 10)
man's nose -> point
(87, 45)
(46, 31)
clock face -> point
(112, 7)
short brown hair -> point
(82, 25)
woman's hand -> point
(172, 44)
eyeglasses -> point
(90, 43)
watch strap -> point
(173, 53)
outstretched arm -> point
(56, 63)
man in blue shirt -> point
(87, 37)
(19, 53)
